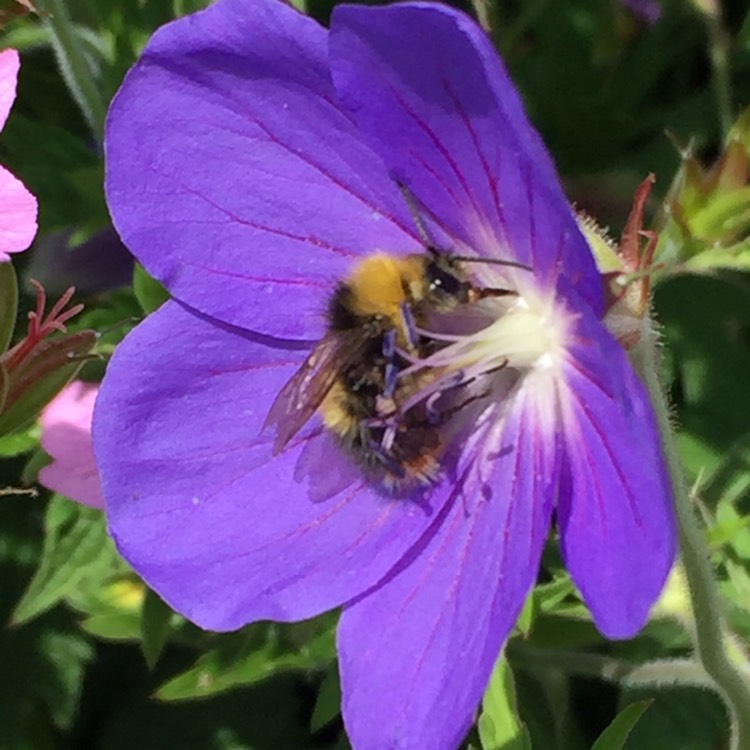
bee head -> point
(445, 280)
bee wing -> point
(300, 398)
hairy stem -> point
(708, 634)
(656, 673)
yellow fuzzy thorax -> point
(381, 284)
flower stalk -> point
(708, 630)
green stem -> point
(704, 597)
(75, 68)
(657, 673)
(718, 49)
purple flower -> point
(252, 160)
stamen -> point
(391, 371)
(435, 336)
(433, 415)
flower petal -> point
(424, 642)
(66, 436)
(9, 65)
(235, 178)
(18, 209)
(224, 531)
(427, 87)
(615, 513)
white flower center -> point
(516, 335)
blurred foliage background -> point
(89, 659)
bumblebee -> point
(353, 376)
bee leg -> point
(391, 370)
(389, 462)
(410, 326)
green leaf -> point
(221, 669)
(548, 595)
(75, 543)
(617, 733)
(526, 618)
(731, 528)
(148, 291)
(692, 719)
(328, 702)
(114, 626)
(499, 726)
(155, 627)
(17, 443)
(43, 669)
(4, 386)
(8, 304)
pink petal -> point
(18, 211)
(66, 436)
(9, 65)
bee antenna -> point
(411, 204)
(493, 262)
(424, 235)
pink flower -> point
(18, 207)
(66, 436)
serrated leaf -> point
(214, 672)
(155, 626)
(148, 291)
(8, 304)
(328, 702)
(75, 542)
(499, 726)
(616, 734)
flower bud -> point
(36, 369)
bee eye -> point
(444, 282)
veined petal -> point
(234, 176)
(615, 514)
(18, 211)
(9, 65)
(426, 86)
(425, 640)
(222, 530)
